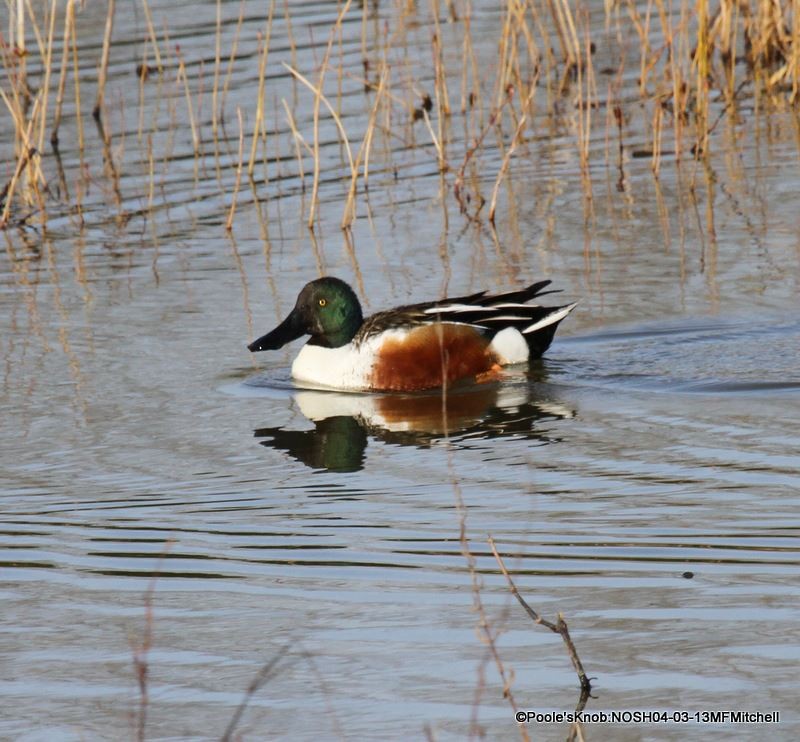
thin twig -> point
(470, 153)
(484, 625)
(559, 627)
(264, 674)
(507, 158)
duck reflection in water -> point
(344, 422)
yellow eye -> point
(323, 302)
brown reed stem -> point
(470, 153)
(239, 167)
(152, 33)
(507, 157)
(101, 81)
(47, 62)
(367, 147)
(363, 155)
(258, 127)
(618, 117)
(7, 194)
(297, 138)
(231, 60)
(217, 59)
(76, 81)
(317, 99)
(319, 96)
(702, 61)
(189, 105)
(20, 49)
(62, 79)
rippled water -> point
(642, 479)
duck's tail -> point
(494, 313)
(540, 334)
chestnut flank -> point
(417, 360)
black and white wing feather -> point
(490, 314)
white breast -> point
(335, 368)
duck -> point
(414, 347)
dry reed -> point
(101, 83)
(689, 59)
(239, 168)
(317, 99)
(258, 126)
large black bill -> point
(290, 329)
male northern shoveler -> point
(414, 347)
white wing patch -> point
(445, 308)
(505, 318)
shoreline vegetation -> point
(680, 68)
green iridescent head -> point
(327, 309)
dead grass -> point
(697, 62)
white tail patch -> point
(510, 346)
(550, 319)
